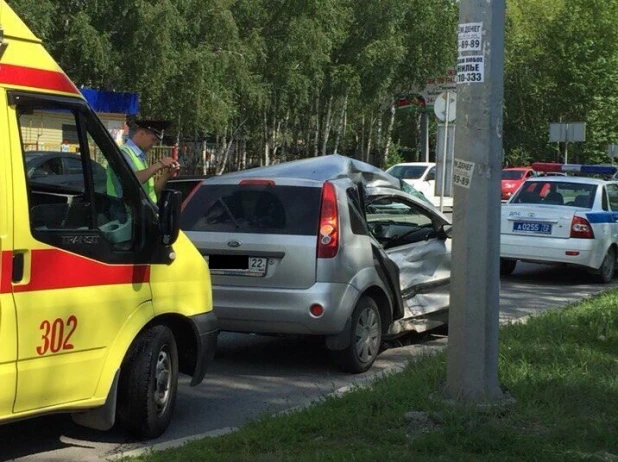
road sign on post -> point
(564, 132)
(445, 107)
(472, 355)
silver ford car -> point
(327, 246)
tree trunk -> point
(228, 147)
(369, 138)
(375, 155)
(327, 124)
(389, 132)
(362, 139)
(316, 133)
(266, 144)
(341, 124)
(223, 149)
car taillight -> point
(581, 229)
(328, 233)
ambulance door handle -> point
(18, 267)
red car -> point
(512, 179)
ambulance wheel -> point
(366, 338)
(507, 266)
(608, 267)
(148, 384)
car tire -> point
(608, 267)
(366, 338)
(148, 384)
(507, 266)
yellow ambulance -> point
(102, 300)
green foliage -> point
(293, 75)
(286, 73)
(517, 157)
(561, 65)
(395, 156)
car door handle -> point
(18, 267)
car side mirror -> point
(445, 232)
(169, 215)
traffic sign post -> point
(445, 107)
(565, 132)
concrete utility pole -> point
(472, 373)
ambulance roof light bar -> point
(575, 168)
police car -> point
(570, 220)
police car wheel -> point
(608, 267)
(507, 266)
(366, 338)
(148, 383)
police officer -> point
(144, 135)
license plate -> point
(237, 265)
(531, 227)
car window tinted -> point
(253, 209)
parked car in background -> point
(513, 178)
(563, 220)
(328, 247)
(422, 177)
(62, 169)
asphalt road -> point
(252, 375)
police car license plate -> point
(237, 265)
(531, 227)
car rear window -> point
(512, 174)
(256, 209)
(556, 193)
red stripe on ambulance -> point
(36, 78)
(55, 269)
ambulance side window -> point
(74, 206)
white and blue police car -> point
(570, 220)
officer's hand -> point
(169, 163)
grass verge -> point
(561, 367)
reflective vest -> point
(149, 186)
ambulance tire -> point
(608, 267)
(148, 384)
(366, 338)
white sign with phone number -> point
(471, 69)
(470, 36)
(462, 173)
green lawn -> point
(561, 367)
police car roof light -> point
(575, 168)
